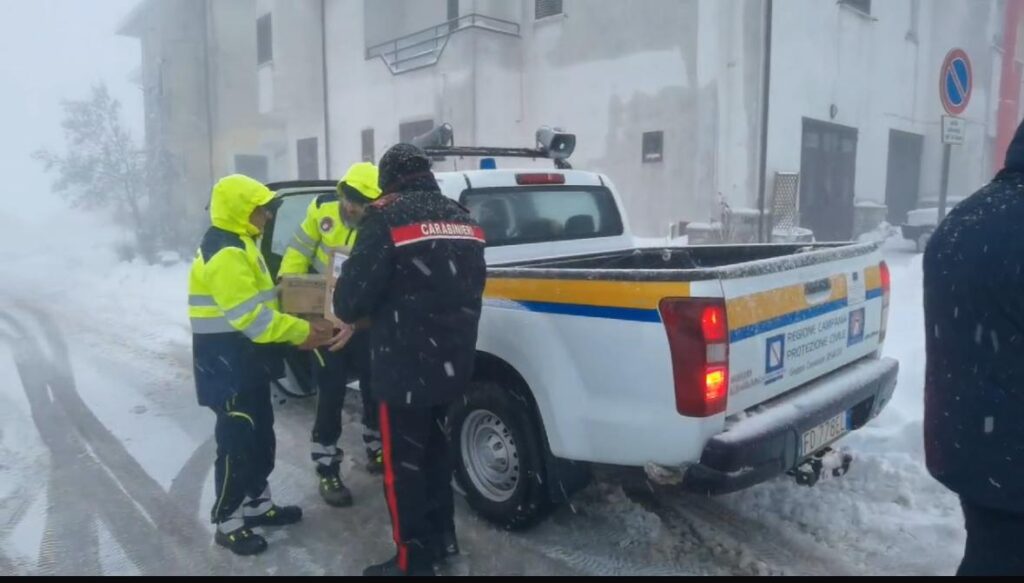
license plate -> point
(826, 433)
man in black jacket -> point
(418, 273)
(974, 386)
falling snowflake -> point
(422, 266)
(449, 368)
(451, 264)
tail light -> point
(886, 293)
(698, 337)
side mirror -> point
(558, 144)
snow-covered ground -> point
(121, 399)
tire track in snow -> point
(79, 470)
(749, 546)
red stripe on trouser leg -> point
(389, 487)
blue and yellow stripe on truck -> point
(765, 312)
(632, 301)
(613, 300)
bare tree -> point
(102, 167)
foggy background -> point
(52, 50)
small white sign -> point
(954, 130)
(856, 289)
(339, 261)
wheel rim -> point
(490, 455)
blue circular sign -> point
(956, 82)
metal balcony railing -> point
(424, 48)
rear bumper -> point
(768, 444)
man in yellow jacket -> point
(238, 333)
(330, 226)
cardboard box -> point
(303, 295)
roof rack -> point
(553, 144)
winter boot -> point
(375, 461)
(391, 568)
(237, 538)
(262, 511)
(333, 491)
(374, 453)
(445, 546)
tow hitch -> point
(824, 465)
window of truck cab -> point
(543, 214)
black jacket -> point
(418, 272)
(974, 315)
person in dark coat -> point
(974, 386)
(417, 273)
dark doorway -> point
(828, 168)
(903, 184)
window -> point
(255, 167)
(859, 5)
(308, 152)
(453, 14)
(368, 146)
(264, 39)
(546, 8)
(287, 220)
(653, 147)
(516, 216)
(414, 129)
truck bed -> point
(688, 263)
(794, 312)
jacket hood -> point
(361, 182)
(1015, 155)
(233, 201)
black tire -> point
(528, 501)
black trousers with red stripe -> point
(418, 469)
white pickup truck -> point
(722, 366)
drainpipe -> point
(207, 84)
(762, 235)
(1009, 88)
(327, 103)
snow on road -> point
(133, 428)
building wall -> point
(603, 70)
(882, 73)
(174, 99)
(606, 70)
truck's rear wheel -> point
(499, 463)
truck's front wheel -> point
(499, 462)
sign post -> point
(956, 84)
